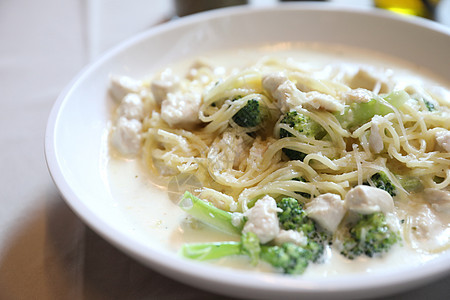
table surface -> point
(46, 252)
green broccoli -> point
(207, 251)
(429, 105)
(209, 214)
(249, 245)
(381, 181)
(250, 115)
(293, 217)
(304, 125)
(370, 236)
(292, 259)
(357, 114)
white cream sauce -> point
(145, 201)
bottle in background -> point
(421, 8)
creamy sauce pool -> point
(146, 202)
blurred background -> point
(46, 252)
(115, 15)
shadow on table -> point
(55, 256)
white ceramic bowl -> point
(77, 129)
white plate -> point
(78, 126)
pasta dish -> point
(296, 159)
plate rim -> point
(218, 275)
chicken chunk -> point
(327, 210)
(443, 139)
(126, 136)
(123, 85)
(262, 219)
(181, 109)
(283, 90)
(375, 140)
(272, 81)
(358, 95)
(165, 84)
(291, 236)
(131, 107)
(366, 200)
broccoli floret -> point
(381, 181)
(317, 247)
(358, 114)
(292, 259)
(222, 220)
(209, 214)
(370, 236)
(429, 105)
(304, 125)
(293, 216)
(250, 115)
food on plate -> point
(299, 161)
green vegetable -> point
(293, 217)
(292, 259)
(358, 114)
(207, 251)
(209, 214)
(411, 183)
(249, 245)
(429, 105)
(381, 181)
(250, 115)
(304, 125)
(370, 236)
